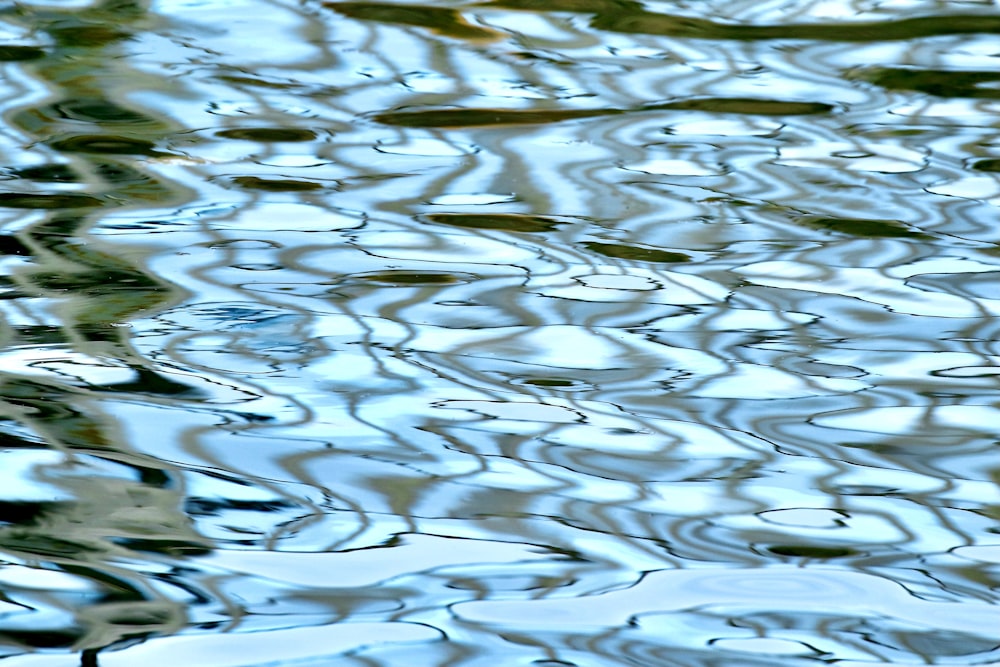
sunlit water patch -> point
(594, 333)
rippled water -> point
(579, 332)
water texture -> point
(572, 333)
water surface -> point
(580, 333)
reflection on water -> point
(589, 332)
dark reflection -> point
(47, 173)
(485, 117)
(629, 17)
(13, 53)
(448, 22)
(150, 382)
(864, 228)
(274, 184)
(751, 106)
(406, 278)
(106, 145)
(579, 6)
(550, 382)
(42, 639)
(71, 33)
(499, 117)
(96, 110)
(650, 23)
(636, 253)
(24, 512)
(509, 222)
(11, 245)
(267, 134)
(48, 201)
(810, 551)
(943, 83)
(987, 165)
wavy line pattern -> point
(577, 333)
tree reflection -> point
(87, 154)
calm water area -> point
(499, 333)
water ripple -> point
(600, 333)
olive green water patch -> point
(48, 201)
(508, 222)
(810, 551)
(651, 23)
(274, 184)
(987, 165)
(939, 82)
(12, 52)
(106, 145)
(485, 117)
(626, 16)
(257, 82)
(96, 110)
(267, 134)
(121, 174)
(80, 35)
(410, 278)
(748, 105)
(550, 383)
(457, 118)
(46, 173)
(439, 20)
(636, 253)
(574, 6)
(865, 228)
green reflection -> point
(47, 173)
(439, 20)
(267, 134)
(11, 53)
(508, 222)
(406, 278)
(274, 184)
(106, 145)
(636, 253)
(810, 551)
(650, 23)
(865, 228)
(115, 503)
(576, 6)
(942, 83)
(48, 201)
(626, 16)
(485, 117)
(987, 165)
